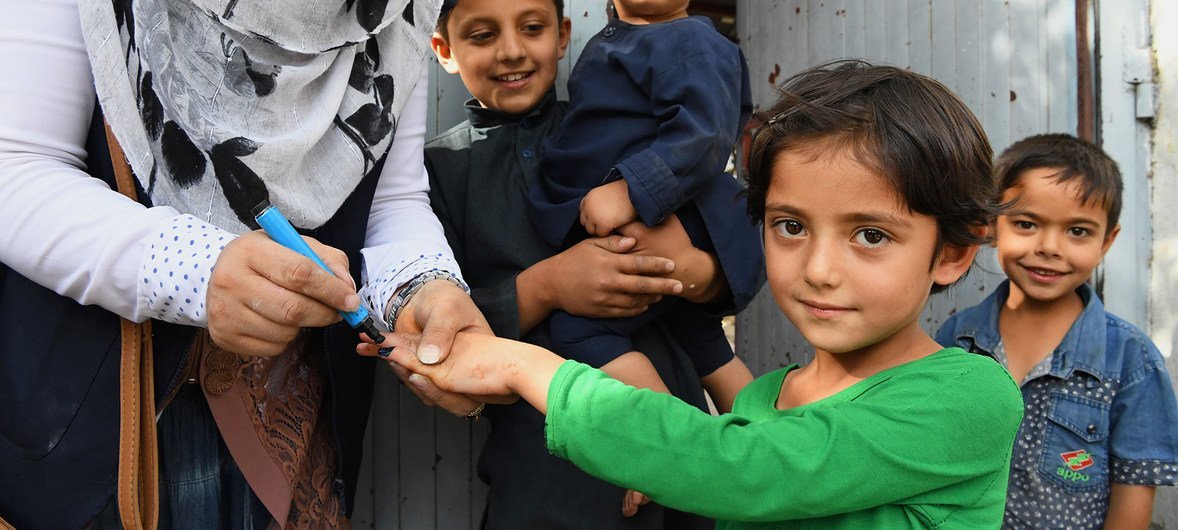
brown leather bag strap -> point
(138, 481)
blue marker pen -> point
(281, 231)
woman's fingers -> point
(295, 272)
(261, 294)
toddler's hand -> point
(607, 207)
(631, 501)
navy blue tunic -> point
(660, 105)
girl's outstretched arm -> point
(920, 431)
(482, 365)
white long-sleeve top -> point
(71, 233)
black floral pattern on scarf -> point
(243, 188)
(369, 13)
(185, 161)
(242, 74)
(372, 122)
(407, 14)
(150, 108)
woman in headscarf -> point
(316, 107)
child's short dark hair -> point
(1099, 178)
(448, 5)
(909, 128)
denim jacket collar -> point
(481, 117)
(1082, 348)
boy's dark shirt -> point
(1100, 409)
(479, 174)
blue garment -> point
(1099, 409)
(660, 105)
(201, 486)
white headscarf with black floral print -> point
(219, 105)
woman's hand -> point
(434, 316)
(261, 294)
(438, 312)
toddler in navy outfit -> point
(656, 103)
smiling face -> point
(505, 51)
(847, 262)
(1050, 241)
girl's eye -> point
(871, 237)
(1023, 225)
(534, 29)
(789, 228)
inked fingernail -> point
(384, 352)
(429, 354)
(418, 381)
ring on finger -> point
(477, 412)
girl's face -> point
(848, 263)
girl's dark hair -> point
(909, 128)
(1097, 174)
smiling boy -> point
(506, 53)
(1101, 424)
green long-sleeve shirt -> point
(922, 445)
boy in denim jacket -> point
(1101, 425)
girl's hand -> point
(607, 207)
(261, 294)
(482, 365)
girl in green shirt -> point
(873, 187)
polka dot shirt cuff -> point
(1144, 472)
(175, 274)
(378, 292)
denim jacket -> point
(1100, 409)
